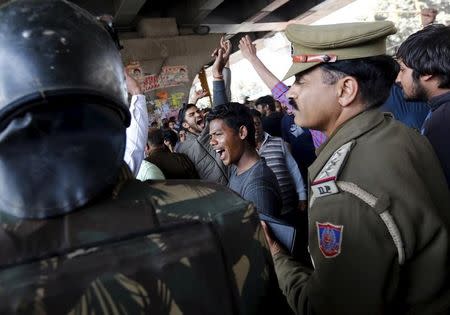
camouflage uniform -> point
(170, 247)
(78, 235)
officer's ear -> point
(347, 89)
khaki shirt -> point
(378, 230)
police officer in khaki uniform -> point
(379, 206)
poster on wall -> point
(150, 83)
(170, 76)
(173, 76)
(161, 104)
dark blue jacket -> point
(411, 114)
(437, 130)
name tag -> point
(324, 188)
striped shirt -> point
(281, 162)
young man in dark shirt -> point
(425, 76)
(232, 136)
(271, 119)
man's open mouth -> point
(221, 153)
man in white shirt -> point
(138, 130)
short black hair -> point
(375, 76)
(171, 136)
(235, 115)
(182, 112)
(255, 113)
(428, 52)
(266, 100)
(155, 137)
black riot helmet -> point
(63, 108)
(49, 48)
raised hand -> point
(428, 15)
(198, 95)
(248, 49)
(221, 55)
(133, 86)
(225, 45)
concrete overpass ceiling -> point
(290, 10)
(97, 7)
(186, 12)
(231, 17)
(223, 16)
(240, 11)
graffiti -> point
(165, 105)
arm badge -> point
(330, 239)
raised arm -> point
(278, 88)
(221, 55)
(248, 50)
(138, 129)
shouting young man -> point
(232, 136)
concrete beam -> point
(266, 11)
(196, 11)
(317, 12)
(247, 27)
(250, 24)
(321, 10)
(157, 27)
(160, 48)
(126, 11)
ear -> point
(243, 132)
(347, 90)
(426, 77)
(185, 125)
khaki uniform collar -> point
(351, 129)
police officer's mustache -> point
(293, 103)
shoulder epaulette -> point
(325, 182)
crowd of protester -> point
(262, 150)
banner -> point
(169, 76)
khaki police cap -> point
(315, 44)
